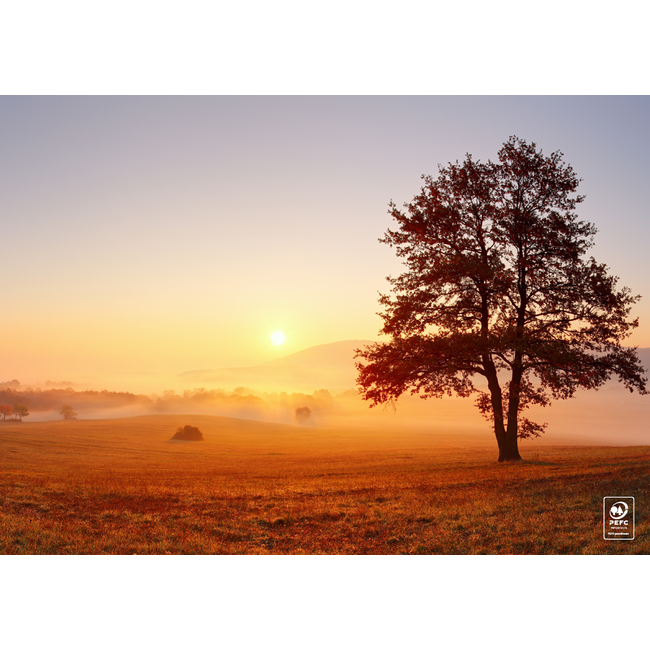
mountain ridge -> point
(335, 350)
(328, 365)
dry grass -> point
(119, 486)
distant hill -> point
(328, 366)
(330, 355)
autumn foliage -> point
(16, 412)
(497, 286)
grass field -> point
(119, 486)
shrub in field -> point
(188, 432)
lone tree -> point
(303, 413)
(68, 412)
(497, 285)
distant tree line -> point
(36, 399)
(243, 401)
(319, 401)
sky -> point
(149, 236)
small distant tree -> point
(5, 410)
(20, 412)
(68, 412)
(303, 414)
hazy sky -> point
(168, 234)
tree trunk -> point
(503, 441)
(509, 449)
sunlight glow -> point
(278, 338)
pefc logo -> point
(618, 518)
(619, 510)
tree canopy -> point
(303, 413)
(497, 285)
(68, 412)
(20, 411)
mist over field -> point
(321, 379)
(346, 479)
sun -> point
(278, 338)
